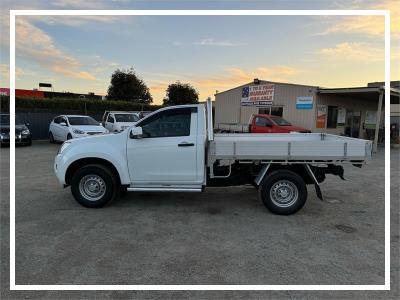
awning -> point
(367, 93)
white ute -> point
(117, 121)
(174, 149)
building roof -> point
(266, 81)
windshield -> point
(280, 121)
(5, 120)
(82, 121)
(126, 118)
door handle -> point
(186, 144)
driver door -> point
(166, 153)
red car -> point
(272, 124)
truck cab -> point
(262, 123)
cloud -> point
(75, 21)
(228, 78)
(5, 74)
(353, 51)
(34, 44)
(213, 42)
(370, 25)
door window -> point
(57, 120)
(167, 123)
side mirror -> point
(136, 133)
(63, 124)
(27, 124)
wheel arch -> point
(73, 167)
(299, 169)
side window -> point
(260, 121)
(63, 119)
(57, 120)
(110, 119)
(168, 123)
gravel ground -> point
(222, 236)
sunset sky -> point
(78, 54)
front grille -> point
(93, 133)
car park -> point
(66, 127)
(23, 135)
(175, 149)
(117, 121)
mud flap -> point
(316, 184)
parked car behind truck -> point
(174, 150)
(66, 127)
(23, 135)
(117, 121)
(262, 123)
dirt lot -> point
(222, 236)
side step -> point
(163, 189)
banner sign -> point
(321, 116)
(370, 119)
(304, 102)
(341, 117)
(258, 95)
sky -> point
(212, 53)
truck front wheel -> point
(94, 186)
(283, 192)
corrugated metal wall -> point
(39, 122)
(228, 109)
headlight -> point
(63, 147)
(77, 131)
(26, 131)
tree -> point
(181, 93)
(126, 85)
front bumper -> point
(19, 139)
(58, 170)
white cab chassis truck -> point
(174, 149)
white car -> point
(68, 127)
(119, 121)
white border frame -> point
(385, 13)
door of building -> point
(353, 123)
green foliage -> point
(126, 85)
(79, 105)
(181, 93)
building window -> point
(275, 111)
(332, 117)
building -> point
(48, 94)
(355, 112)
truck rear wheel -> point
(283, 192)
(94, 186)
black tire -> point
(29, 143)
(84, 174)
(51, 138)
(69, 136)
(279, 183)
